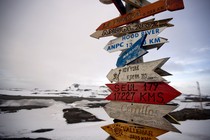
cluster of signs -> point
(140, 95)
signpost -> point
(143, 72)
(126, 131)
(139, 94)
(132, 53)
(143, 114)
(134, 27)
(146, 11)
(149, 93)
(124, 42)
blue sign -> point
(132, 53)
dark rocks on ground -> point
(76, 115)
(191, 114)
(42, 130)
(12, 109)
(95, 105)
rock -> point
(76, 115)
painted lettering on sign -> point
(152, 9)
(128, 40)
(134, 27)
(145, 72)
(126, 131)
(145, 92)
(143, 114)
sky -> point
(46, 44)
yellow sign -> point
(126, 131)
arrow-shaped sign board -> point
(124, 42)
(132, 53)
(149, 93)
(143, 72)
(127, 131)
(143, 114)
(143, 12)
(135, 27)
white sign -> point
(127, 41)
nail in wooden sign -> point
(134, 27)
(149, 93)
(132, 53)
(127, 131)
(143, 114)
(143, 72)
(143, 12)
(126, 41)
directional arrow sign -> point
(135, 27)
(143, 114)
(126, 131)
(149, 93)
(146, 11)
(132, 53)
(119, 5)
(137, 3)
(128, 40)
(143, 72)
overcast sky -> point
(46, 44)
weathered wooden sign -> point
(120, 7)
(143, 114)
(127, 131)
(126, 41)
(132, 53)
(145, 11)
(134, 27)
(150, 92)
(143, 72)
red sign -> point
(144, 92)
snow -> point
(80, 91)
(21, 123)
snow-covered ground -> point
(73, 90)
(22, 123)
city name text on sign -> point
(143, 12)
(126, 131)
(132, 53)
(144, 92)
(126, 41)
(134, 27)
(143, 72)
(143, 114)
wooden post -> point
(129, 8)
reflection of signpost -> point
(126, 131)
(143, 72)
(150, 92)
(135, 27)
(146, 11)
(143, 114)
(132, 53)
